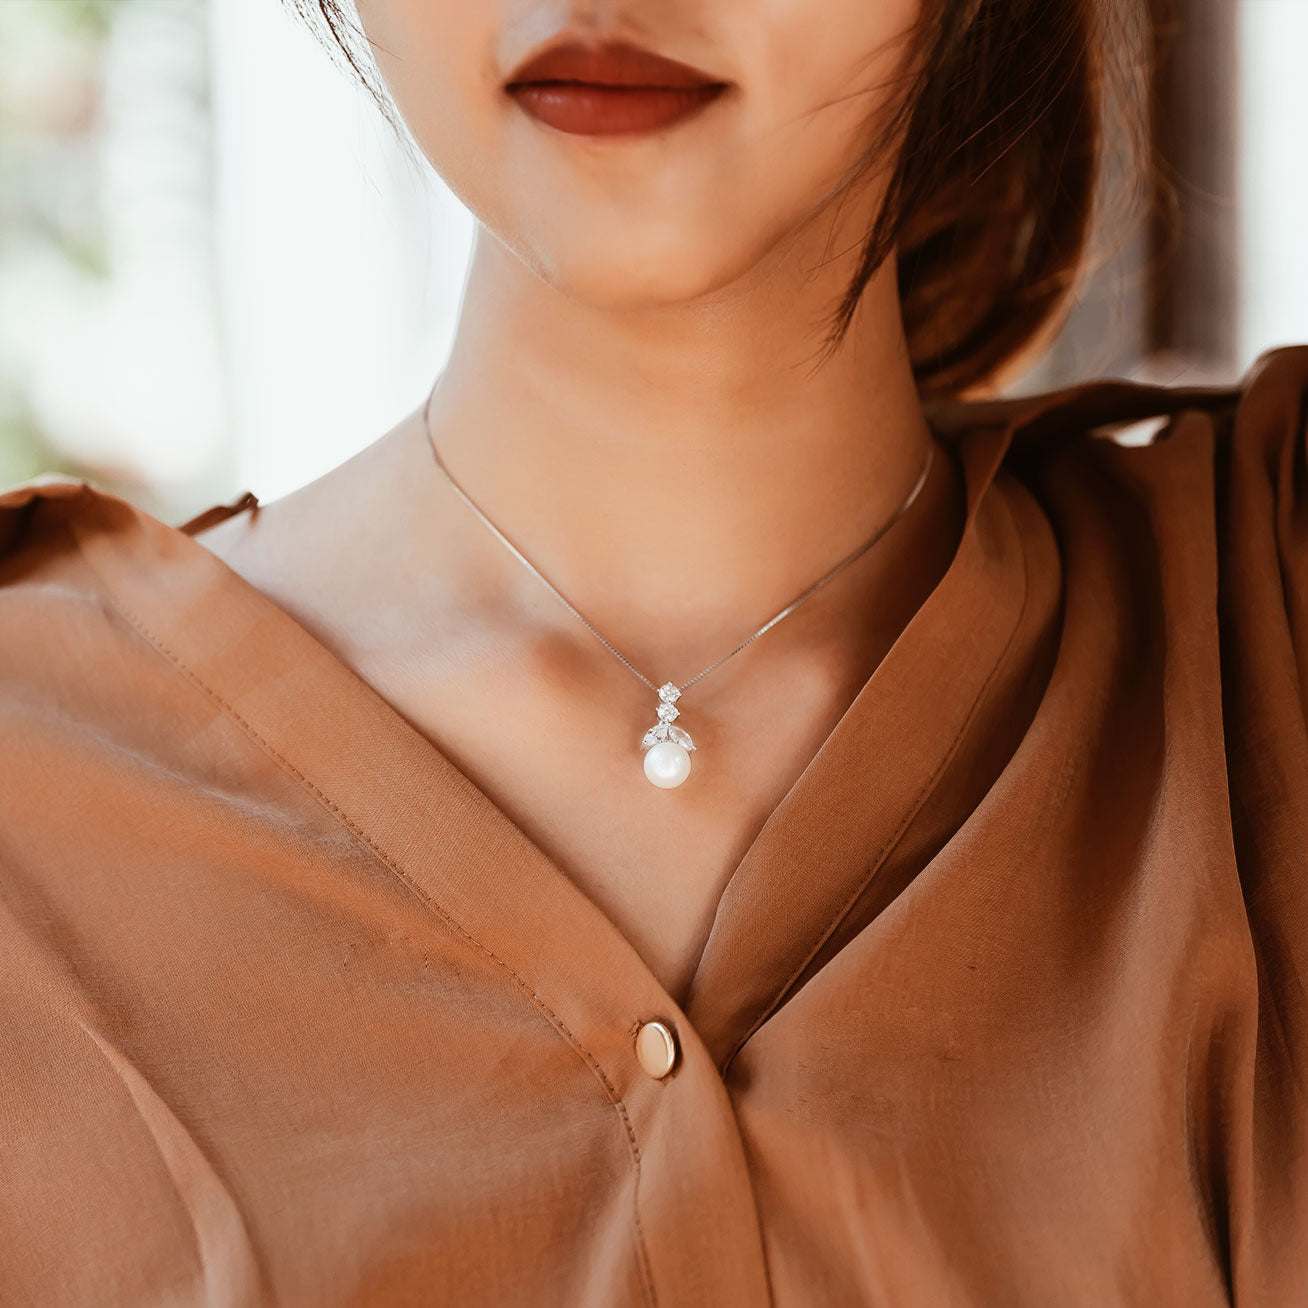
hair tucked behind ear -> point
(1000, 141)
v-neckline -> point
(407, 802)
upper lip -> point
(607, 63)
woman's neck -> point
(680, 473)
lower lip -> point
(588, 110)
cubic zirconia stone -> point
(681, 737)
(659, 731)
(668, 711)
(668, 693)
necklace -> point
(667, 748)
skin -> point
(634, 398)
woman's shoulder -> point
(1200, 529)
(1218, 493)
(56, 618)
(1226, 486)
(56, 531)
(1219, 483)
(80, 678)
(1252, 417)
(1205, 523)
(1211, 514)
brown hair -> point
(1001, 146)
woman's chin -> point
(620, 275)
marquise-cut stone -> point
(655, 734)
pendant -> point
(667, 748)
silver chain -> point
(790, 608)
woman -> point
(957, 955)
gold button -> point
(656, 1047)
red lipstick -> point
(609, 89)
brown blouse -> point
(1006, 1004)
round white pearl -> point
(667, 764)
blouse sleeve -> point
(1262, 522)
